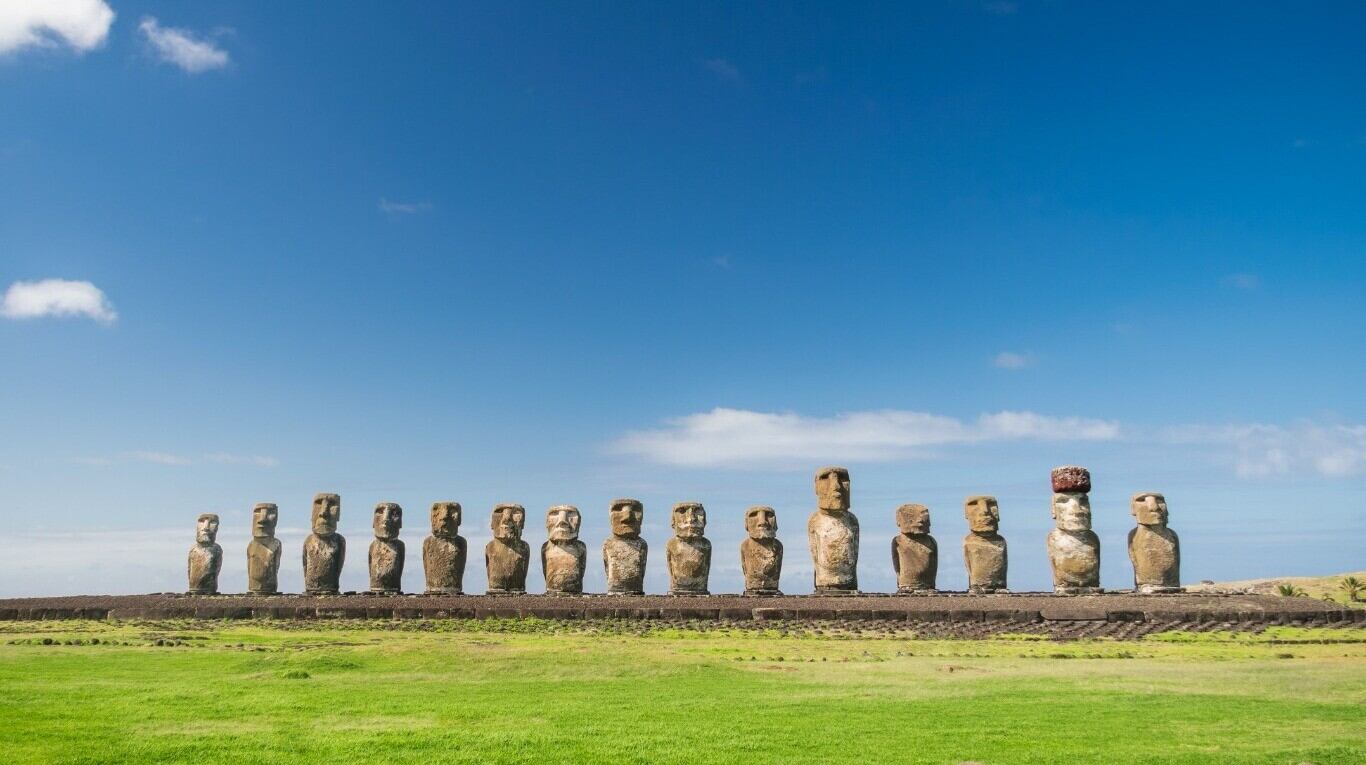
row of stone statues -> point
(832, 532)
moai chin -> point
(387, 550)
(324, 549)
(687, 552)
(624, 553)
(984, 549)
(206, 557)
(761, 554)
(1073, 548)
(444, 552)
(263, 551)
(832, 532)
(563, 557)
(915, 554)
(506, 555)
(1154, 549)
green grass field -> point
(504, 692)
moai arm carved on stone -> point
(624, 552)
(387, 551)
(761, 554)
(206, 557)
(506, 556)
(915, 554)
(984, 549)
(688, 552)
(1073, 548)
(833, 534)
(1154, 549)
(444, 552)
(324, 549)
(263, 551)
(563, 557)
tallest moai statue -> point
(832, 532)
(1073, 548)
(324, 549)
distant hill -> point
(1313, 586)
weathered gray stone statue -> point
(444, 552)
(915, 554)
(206, 557)
(263, 551)
(506, 556)
(563, 557)
(984, 550)
(832, 532)
(761, 554)
(1154, 549)
(1073, 548)
(387, 551)
(687, 552)
(623, 554)
(324, 549)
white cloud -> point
(80, 25)
(1242, 281)
(1261, 450)
(56, 297)
(737, 437)
(403, 208)
(182, 48)
(723, 69)
(1009, 360)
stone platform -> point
(1154, 611)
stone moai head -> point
(263, 519)
(913, 519)
(387, 521)
(761, 522)
(983, 514)
(507, 522)
(626, 516)
(1149, 508)
(832, 488)
(1072, 511)
(689, 520)
(206, 529)
(326, 514)
(445, 519)
(562, 523)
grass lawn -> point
(531, 691)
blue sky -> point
(568, 252)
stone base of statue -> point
(1066, 590)
(263, 592)
(768, 593)
(201, 592)
(824, 591)
(689, 592)
(625, 592)
(505, 592)
(1158, 589)
(988, 591)
(323, 592)
(446, 591)
(383, 592)
(564, 592)
(916, 591)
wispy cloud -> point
(1010, 360)
(182, 460)
(723, 70)
(79, 25)
(1262, 451)
(742, 438)
(182, 48)
(56, 297)
(403, 208)
(721, 261)
(1242, 281)
(1001, 7)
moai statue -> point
(506, 555)
(984, 550)
(687, 552)
(563, 557)
(443, 553)
(1154, 549)
(263, 551)
(387, 550)
(1073, 548)
(915, 555)
(761, 554)
(623, 554)
(833, 534)
(324, 549)
(206, 557)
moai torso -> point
(263, 566)
(386, 565)
(834, 538)
(443, 562)
(204, 563)
(984, 555)
(762, 562)
(916, 560)
(1156, 554)
(1075, 557)
(623, 560)
(689, 565)
(564, 563)
(506, 560)
(323, 559)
